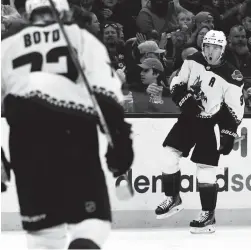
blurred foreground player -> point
(53, 142)
(208, 91)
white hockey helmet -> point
(214, 37)
(31, 5)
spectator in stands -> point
(157, 15)
(82, 17)
(87, 4)
(195, 41)
(10, 19)
(113, 43)
(105, 9)
(118, 12)
(175, 41)
(237, 52)
(246, 22)
(186, 21)
(204, 18)
(239, 55)
(145, 49)
(195, 6)
(197, 37)
(149, 49)
(152, 80)
(19, 5)
(83, 4)
(93, 25)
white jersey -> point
(53, 124)
(42, 48)
(212, 86)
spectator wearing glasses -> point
(114, 45)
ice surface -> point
(176, 239)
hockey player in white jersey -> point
(53, 142)
(208, 91)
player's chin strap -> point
(86, 82)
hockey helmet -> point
(31, 5)
(215, 53)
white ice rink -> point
(176, 239)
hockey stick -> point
(76, 62)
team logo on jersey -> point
(237, 75)
(196, 90)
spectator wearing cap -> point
(204, 18)
(152, 76)
(149, 49)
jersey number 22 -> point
(53, 56)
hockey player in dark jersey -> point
(208, 91)
(53, 141)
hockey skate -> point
(169, 207)
(205, 223)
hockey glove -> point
(185, 101)
(5, 172)
(227, 138)
(119, 158)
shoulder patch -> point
(229, 73)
